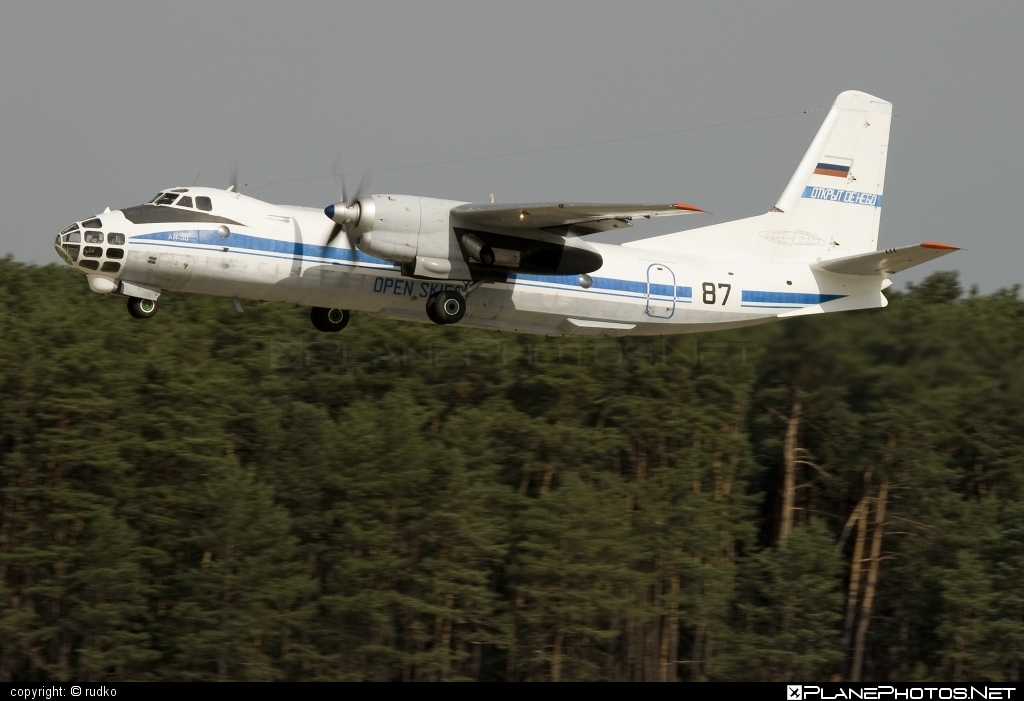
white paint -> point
(735, 274)
(102, 285)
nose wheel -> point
(446, 307)
(141, 308)
(329, 320)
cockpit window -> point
(204, 204)
(167, 199)
(185, 202)
(73, 227)
(91, 224)
(115, 239)
(155, 198)
(73, 237)
(180, 189)
(94, 237)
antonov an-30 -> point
(521, 267)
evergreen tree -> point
(790, 623)
(214, 495)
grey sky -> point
(105, 103)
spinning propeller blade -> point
(345, 214)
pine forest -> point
(210, 495)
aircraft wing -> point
(891, 260)
(579, 218)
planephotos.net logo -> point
(808, 692)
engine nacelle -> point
(419, 233)
(413, 231)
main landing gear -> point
(449, 306)
(446, 307)
(329, 320)
(141, 308)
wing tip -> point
(688, 207)
(939, 246)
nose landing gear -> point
(141, 308)
(329, 320)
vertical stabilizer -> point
(832, 205)
(836, 190)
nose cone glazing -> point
(68, 244)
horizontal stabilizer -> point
(891, 260)
(584, 217)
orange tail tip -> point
(941, 246)
(688, 208)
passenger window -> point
(72, 251)
(91, 224)
(115, 239)
(94, 237)
(73, 238)
(92, 252)
(204, 204)
(90, 264)
(185, 202)
(109, 267)
(115, 253)
(166, 199)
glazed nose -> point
(68, 244)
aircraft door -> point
(173, 270)
(661, 291)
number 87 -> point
(710, 295)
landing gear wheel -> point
(431, 312)
(446, 307)
(141, 308)
(329, 320)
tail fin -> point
(836, 191)
(830, 208)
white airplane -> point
(521, 267)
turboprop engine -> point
(422, 235)
(413, 231)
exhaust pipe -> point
(478, 250)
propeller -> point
(345, 214)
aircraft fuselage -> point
(248, 249)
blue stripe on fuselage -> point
(802, 298)
(195, 238)
(258, 243)
(607, 283)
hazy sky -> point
(103, 104)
